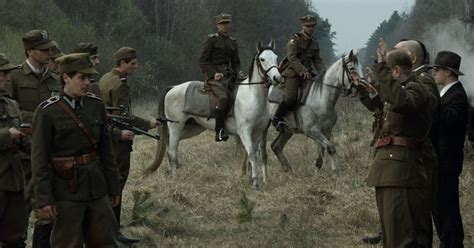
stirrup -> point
(221, 135)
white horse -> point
(249, 120)
(317, 116)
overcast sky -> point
(355, 20)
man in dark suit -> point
(452, 121)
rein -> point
(262, 72)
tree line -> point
(168, 34)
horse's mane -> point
(253, 61)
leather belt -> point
(411, 143)
(78, 160)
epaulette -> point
(213, 35)
(123, 79)
(91, 95)
(50, 101)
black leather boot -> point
(221, 134)
(122, 238)
(41, 235)
(278, 119)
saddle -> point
(200, 100)
(278, 92)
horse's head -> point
(267, 63)
(351, 71)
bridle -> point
(262, 72)
(347, 71)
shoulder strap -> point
(81, 125)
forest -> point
(168, 34)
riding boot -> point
(221, 134)
(278, 119)
(41, 235)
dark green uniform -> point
(302, 53)
(220, 54)
(13, 214)
(398, 173)
(84, 216)
(116, 93)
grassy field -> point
(211, 204)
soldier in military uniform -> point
(397, 172)
(302, 54)
(53, 66)
(92, 50)
(13, 216)
(74, 174)
(31, 84)
(220, 63)
(116, 93)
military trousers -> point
(13, 221)
(220, 88)
(87, 222)
(291, 86)
(122, 150)
(401, 213)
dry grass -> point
(306, 209)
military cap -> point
(5, 64)
(55, 51)
(308, 20)
(37, 39)
(86, 47)
(222, 17)
(76, 62)
(125, 53)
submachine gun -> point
(122, 122)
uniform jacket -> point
(220, 54)
(11, 171)
(407, 113)
(30, 89)
(452, 121)
(115, 92)
(55, 134)
(302, 53)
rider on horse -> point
(302, 53)
(220, 63)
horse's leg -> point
(319, 156)
(174, 137)
(250, 147)
(318, 136)
(277, 147)
(263, 150)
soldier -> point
(13, 216)
(53, 66)
(397, 172)
(116, 93)
(74, 173)
(220, 63)
(302, 54)
(31, 84)
(91, 49)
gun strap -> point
(79, 123)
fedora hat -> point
(448, 60)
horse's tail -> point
(164, 137)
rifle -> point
(120, 122)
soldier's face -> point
(53, 66)
(42, 57)
(129, 67)
(223, 27)
(309, 29)
(78, 85)
(95, 60)
(4, 79)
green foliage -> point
(246, 209)
(141, 208)
(168, 34)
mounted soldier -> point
(220, 63)
(302, 55)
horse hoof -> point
(319, 164)
(331, 150)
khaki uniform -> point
(13, 214)
(302, 54)
(85, 215)
(397, 172)
(116, 93)
(220, 54)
